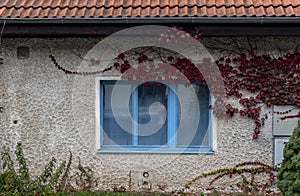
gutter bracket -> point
(262, 20)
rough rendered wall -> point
(52, 113)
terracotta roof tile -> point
(202, 10)
(270, 11)
(135, 3)
(184, 11)
(295, 3)
(173, 11)
(297, 10)
(164, 11)
(127, 3)
(248, 3)
(146, 8)
(286, 3)
(289, 11)
(260, 11)
(211, 11)
(268, 3)
(155, 11)
(173, 3)
(193, 9)
(279, 11)
(36, 13)
(146, 11)
(258, 2)
(192, 2)
(90, 12)
(239, 3)
(145, 3)
(118, 12)
(220, 3)
(209, 3)
(65, 11)
(99, 13)
(240, 11)
(251, 11)
(276, 3)
(231, 11)
(53, 13)
(135, 12)
(221, 11)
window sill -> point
(207, 150)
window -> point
(154, 118)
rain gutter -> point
(161, 20)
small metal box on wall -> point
(283, 128)
(279, 143)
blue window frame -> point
(156, 118)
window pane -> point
(113, 132)
(193, 116)
(156, 133)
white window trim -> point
(97, 105)
(98, 115)
(214, 127)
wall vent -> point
(23, 52)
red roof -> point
(147, 8)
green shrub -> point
(54, 178)
(17, 182)
(289, 173)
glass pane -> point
(193, 115)
(114, 134)
(152, 103)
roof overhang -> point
(210, 26)
(161, 20)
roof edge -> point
(161, 20)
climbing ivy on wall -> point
(273, 80)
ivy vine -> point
(273, 80)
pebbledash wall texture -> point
(53, 113)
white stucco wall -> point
(51, 113)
